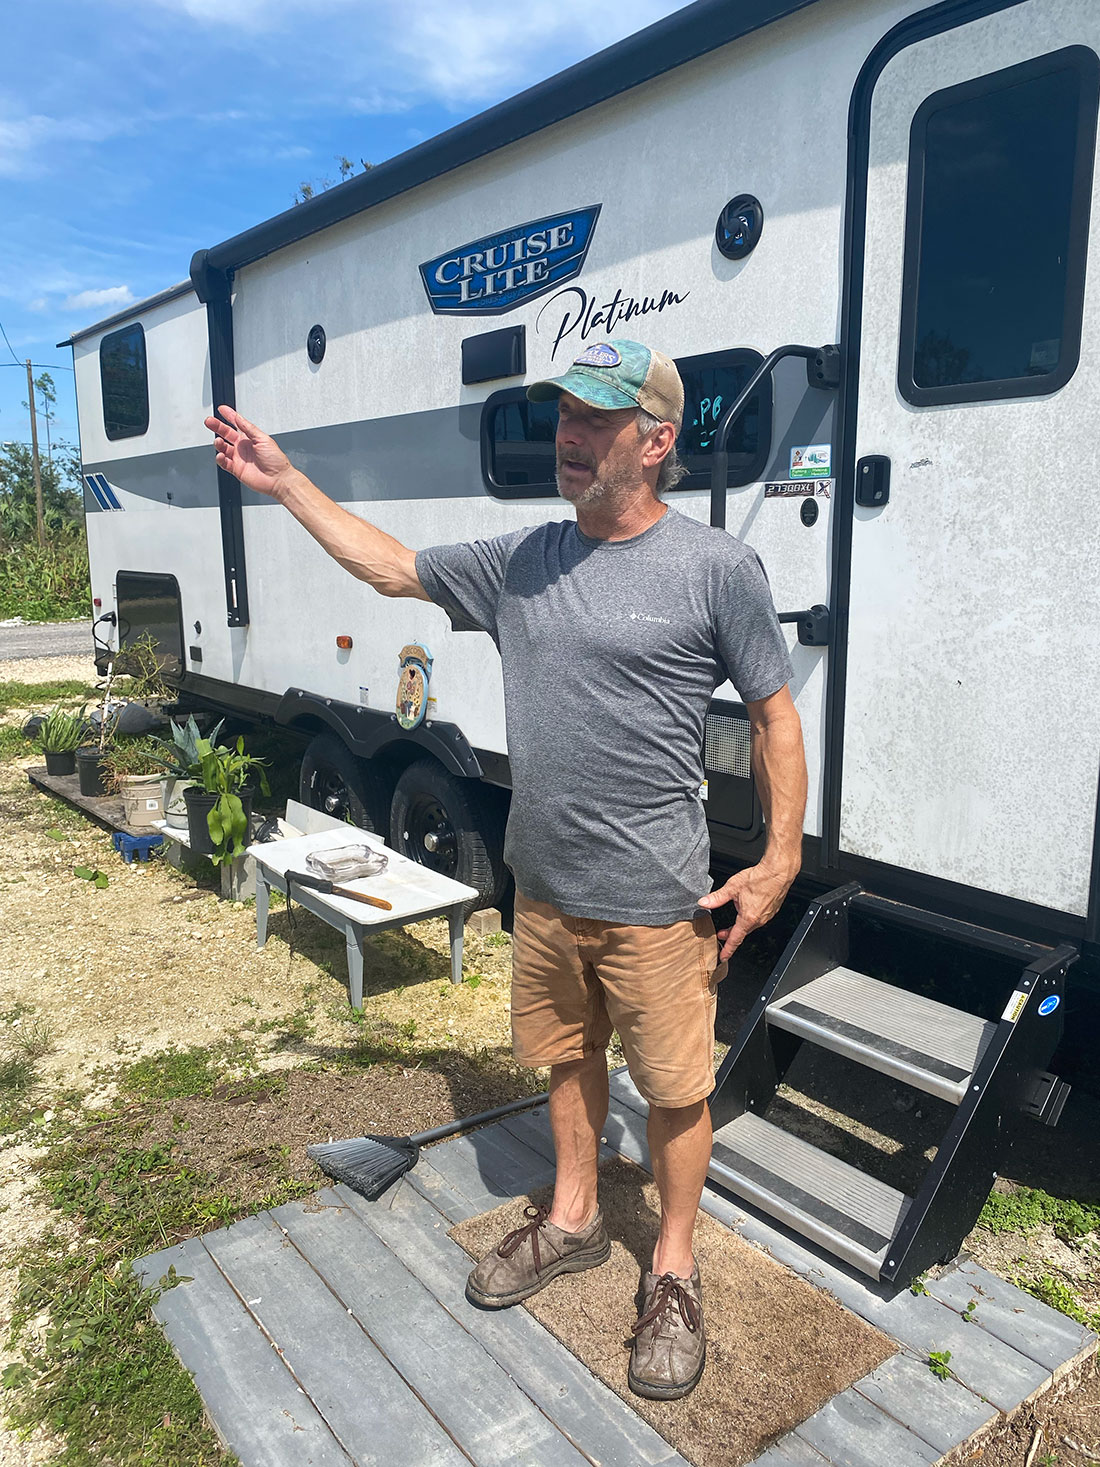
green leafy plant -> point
(939, 1363)
(97, 878)
(968, 1312)
(225, 771)
(918, 1286)
(61, 731)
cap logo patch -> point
(600, 355)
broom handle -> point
(454, 1127)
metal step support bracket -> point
(988, 1069)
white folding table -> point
(414, 891)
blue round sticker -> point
(1048, 1005)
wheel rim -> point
(429, 837)
(330, 792)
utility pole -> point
(34, 460)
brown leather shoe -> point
(670, 1346)
(527, 1259)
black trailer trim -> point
(162, 298)
(368, 731)
(946, 16)
(214, 288)
(365, 731)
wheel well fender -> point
(370, 732)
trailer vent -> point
(728, 745)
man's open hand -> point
(248, 453)
(757, 893)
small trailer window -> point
(1000, 184)
(125, 382)
(517, 436)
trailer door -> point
(972, 704)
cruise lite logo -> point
(492, 275)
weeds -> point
(101, 1372)
(1060, 1296)
(939, 1363)
(1027, 1208)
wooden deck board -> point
(473, 1397)
(591, 1414)
(253, 1401)
(851, 1431)
(941, 1412)
(357, 1389)
(1051, 1339)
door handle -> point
(813, 625)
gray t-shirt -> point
(612, 650)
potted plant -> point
(89, 760)
(58, 738)
(182, 766)
(220, 807)
(133, 769)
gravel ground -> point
(48, 669)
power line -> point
(8, 344)
(46, 366)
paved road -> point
(45, 639)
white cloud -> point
(93, 300)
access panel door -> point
(972, 708)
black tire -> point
(450, 825)
(332, 779)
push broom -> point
(370, 1164)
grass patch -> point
(20, 1052)
(101, 1373)
(45, 583)
(1027, 1208)
(33, 695)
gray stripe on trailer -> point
(428, 455)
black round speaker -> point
(315, 344)
(739, 227)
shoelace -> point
(670, 1290)
(511, 1241)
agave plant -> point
(61, 731)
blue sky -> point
(133, 132)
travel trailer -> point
(862, 229)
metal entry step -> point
(913, 1039)
(838, 1206)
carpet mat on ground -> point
(777, 1348)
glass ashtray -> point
(347, 863)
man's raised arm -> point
(254, 458)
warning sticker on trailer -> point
(1015, 1006)
(798, 488)
(812, 461)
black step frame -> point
(959, 1179)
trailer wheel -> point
(332, 779)
(448, 825)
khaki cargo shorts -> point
(575, 979)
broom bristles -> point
(368, 1164)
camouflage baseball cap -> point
(620, 374)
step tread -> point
(800, 1184)
(858, 1015)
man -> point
(614, 630)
